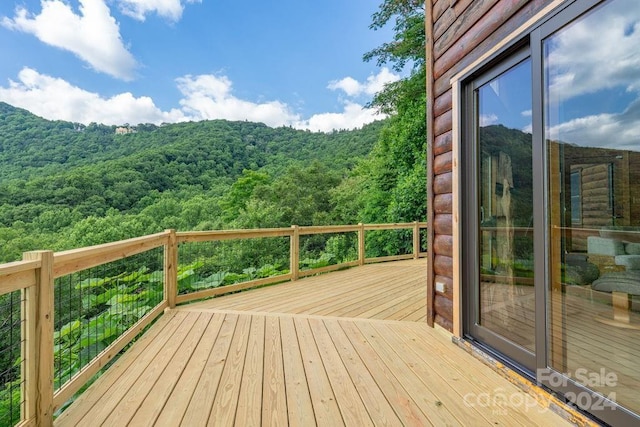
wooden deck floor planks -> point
(395, 291)
(185, 386)
(376, 402)
(222, 365)
(299, 406)
(274, 396)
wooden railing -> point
(35, 276)
(294, 234)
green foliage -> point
(407, 48)
(197, 276)
(389, 185)
(236, 199)
(111, 305)
(324, 260)
(10, 403)
(64, 185)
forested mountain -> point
(64, 185)
(31, 146)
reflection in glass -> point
(506, 214)
(592, 129)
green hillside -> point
(31, 146)
(63, 185)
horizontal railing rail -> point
(294, 233)
(37, 279)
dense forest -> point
(66, 185)
(63, 185)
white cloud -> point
(56, 99)
(526, 113)
(93, 36)
(576, 61)
(353, 116)
(597, 55)
(204, 97)
(209, 97)
(374, 83)
(619, 131)
(170, 9)
(488, 120)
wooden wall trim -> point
(430, 100)
(457, 232)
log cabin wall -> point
(458, 33)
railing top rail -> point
(73, 260)
(18, 267)
(320, 229)
(393, 226)
(67, 262)
(196, 236)
(19, 279)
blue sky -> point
(291, 63)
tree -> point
(393, 177)
(238, 196)
(407, 49)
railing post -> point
(171, 269)
(416, 240)
(37, 346)
(294, 260)
(361, 247)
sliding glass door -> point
(503, 314)
(551, 206)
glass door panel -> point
(506, 297)
(592, 133)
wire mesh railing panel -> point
(94, 307)
(322, 250)
(212, 264)
(383, 243)
(10, 358)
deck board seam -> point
(299, 315)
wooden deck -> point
(391, 291)
(270, 357)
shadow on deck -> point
(345, 348)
